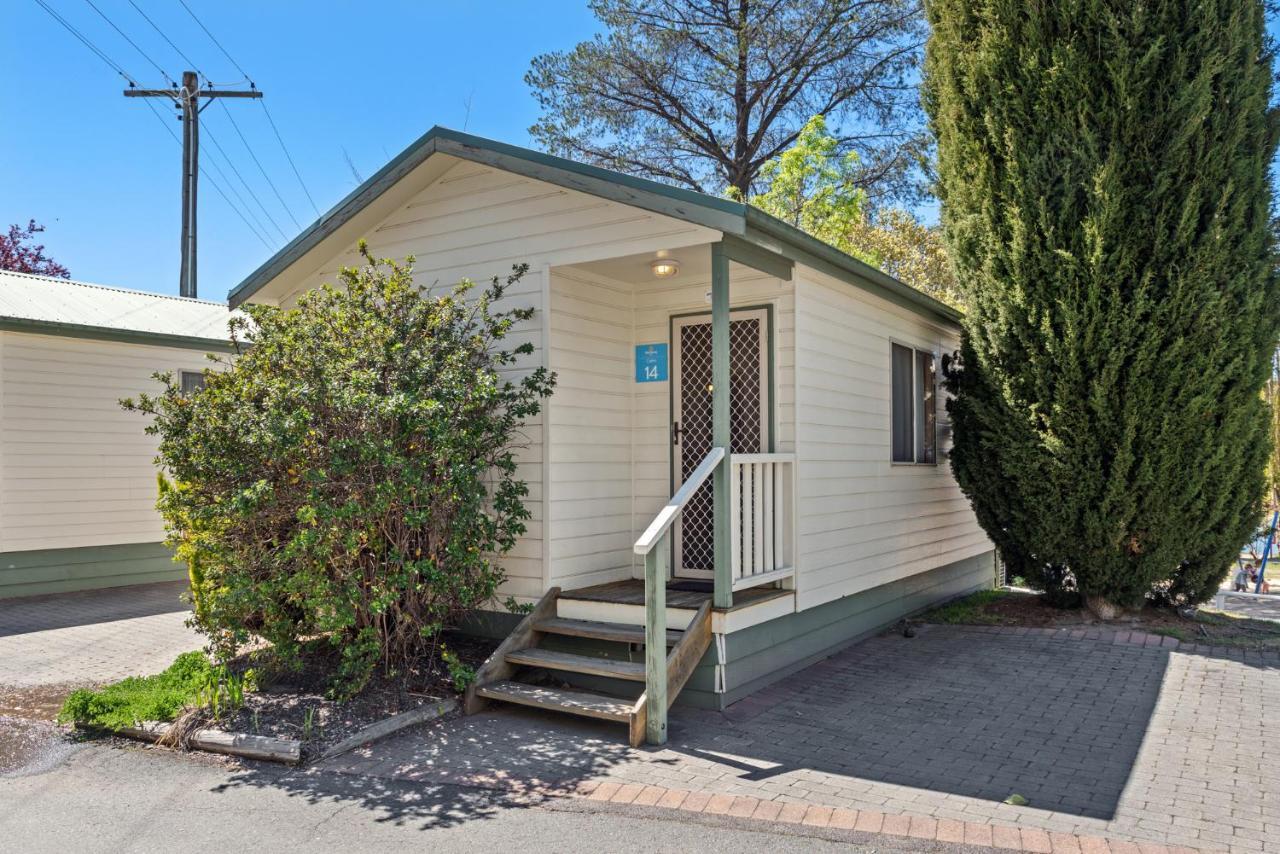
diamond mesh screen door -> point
(748, 419)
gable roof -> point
(748, 223)
(50, 306)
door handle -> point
(675, 432)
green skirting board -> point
(765, 653)
(41, 571)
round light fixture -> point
(665, 268)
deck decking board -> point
(631, 592)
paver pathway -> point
(1121, 737)
(92, 636)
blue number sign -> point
(651, 363)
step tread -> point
(552, 660)
(558, 699)
(620, 632)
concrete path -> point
(93, 636)
(1114, 740)
(104, 799)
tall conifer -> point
(1103, 171)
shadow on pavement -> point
(87, 607)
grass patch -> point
(971, 610)
(131, 701)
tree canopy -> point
(703, 93)
(19, 254)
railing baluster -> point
(757, 517)
(768, 564)
(780, 513)
(655, 640)
(735, 521)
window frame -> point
(916, 391)
(183, 373)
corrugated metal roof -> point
(45, 300)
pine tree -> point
(1103, 170)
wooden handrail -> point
(747, 459)
(667, 515)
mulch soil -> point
(294, 704)
(1020, 608)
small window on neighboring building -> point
(914, 406)
(191, 381)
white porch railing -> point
(654, 544)
(761, 518)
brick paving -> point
(1120, 742)
(92, 636)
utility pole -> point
(187, 99)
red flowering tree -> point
(19, 254)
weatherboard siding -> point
(863, 521)
(476, 222)
(590, 428)
(75, 469)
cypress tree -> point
(1103, 171)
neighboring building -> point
(840, 513)
(77, 473)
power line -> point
(231, 184)
(270, 183)
(207, 177)
(123, 35)
(216, 42)
(231, 163)
(155, 27)
(289, 157)
(112, 64)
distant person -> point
(1243, 576)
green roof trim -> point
(750, 225)
(105, 333)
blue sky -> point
(343, 80)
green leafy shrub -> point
(350, 474)
(137, 699)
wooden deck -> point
(631, 592)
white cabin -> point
(77, 472)
(745, 456)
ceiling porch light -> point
(665, 268)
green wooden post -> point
(723, 595)
(655, 641)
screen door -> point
(691, 427)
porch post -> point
(655, 642)
(723, 593)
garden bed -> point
(295, 705)
(1023, 608)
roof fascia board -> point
(103, 333)
(778, 237)
(698, 208)
(337, 216)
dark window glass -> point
(926, 409)
(903, 422)
(191, 381)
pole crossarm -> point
(202, 93)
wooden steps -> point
(619, 632)
(588, 664)
(560, 700)
(498, 679)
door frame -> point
(769, 420)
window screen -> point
(903, 418)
